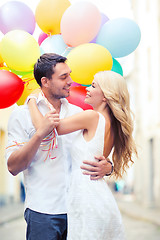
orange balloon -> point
(48, 15)
(2, 67)
(1, 61)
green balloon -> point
(86, 85)
(116, 67)
(21, 74)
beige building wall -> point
(147, 87)
(9, 185)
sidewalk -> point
(131, 208)
(126, 204)
(11, 212)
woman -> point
(92, 210)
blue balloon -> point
(55, 44)
(120, 36)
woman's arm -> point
(87, 119)
(84, 120)
(36, 115)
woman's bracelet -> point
(30, 97)
(108, 174)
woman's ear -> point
(104, 99)
(44, 82)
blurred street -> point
(139, 224)
(135, 229)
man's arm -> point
(20, 159)
(98, 169)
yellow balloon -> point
(19, 50)
(86, 60)
(48, 15)
(29, 87)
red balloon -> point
(77, 97)
(11, 88)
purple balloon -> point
(104, 19)
(16, 15)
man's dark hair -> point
(44, 67)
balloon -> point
(120, 36)
(117, 67)
(11, 88)
(1, 61)
(22, 74)
(19, 50)
(16, 15)
(4, 68)
(86, 60)
(27, 76)
(42, 37)
(74, 84)
(29, 87)
(77, 97)
(49, 13)
(80, 23)
(55, 44)
(104, 19)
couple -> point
(90, 206)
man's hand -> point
(97, 169)
(48, 122)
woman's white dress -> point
(92, 210)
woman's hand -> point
(48, 123)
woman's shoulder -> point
(91, 113)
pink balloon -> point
(16, 15)
(80, 23)
(42, 37)
(74, 84)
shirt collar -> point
(64, 104)
(63, 100)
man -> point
(46, 167)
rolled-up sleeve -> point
(17, 131)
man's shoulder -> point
(19, 111)
(74, 108)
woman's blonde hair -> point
(115, 91)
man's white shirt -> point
(46, 180)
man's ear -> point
(44, 81)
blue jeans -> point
(42, 226)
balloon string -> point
(28, 79)
(66, 49)
(53, 134)
(50, 140)
(27, 82)
(16, 144)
